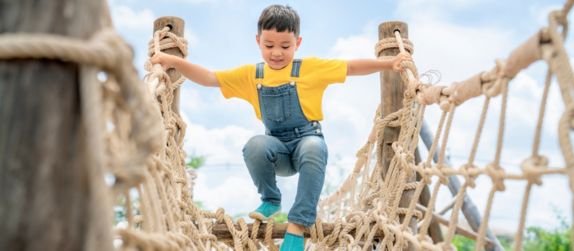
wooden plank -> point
(49, 196)
(222, 233)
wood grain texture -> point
(48, 199)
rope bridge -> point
(140, 134)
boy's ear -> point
(257, 39)
(299, 39)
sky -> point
(457, 38)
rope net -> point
(369, 210)
(141, 138)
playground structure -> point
(113, 123)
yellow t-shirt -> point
(314, 76)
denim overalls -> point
(292, 144)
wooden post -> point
(392, 90)
(392, 94)
(176, 26)
(50, 195)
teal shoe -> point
(265, 211)
(293, 242)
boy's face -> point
(277, 48)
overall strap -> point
(259, 70)
(296, 67)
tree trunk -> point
(50, 187)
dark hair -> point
(280, 17)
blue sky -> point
(458, 38)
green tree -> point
(557, 239)
(466, 244)
(195, 161)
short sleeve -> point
(236, 82)
(327, 71)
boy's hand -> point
(399, 59)
(166, 60)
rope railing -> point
(491, 83)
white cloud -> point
(127, 18)
(219, 145)
(541, 12)
(357, 46)
(415, 5)
(192, 38)
(202, 1)
(235, 193)
(457, 52)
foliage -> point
(280, 218)
(465, 244)
(557, 239)
(462, 243)
(120, 214)
(195, 161)
(537, 239)
(506, 241)
(198, 204)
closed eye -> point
(269, 46)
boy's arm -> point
(367, 66)
(193, 72)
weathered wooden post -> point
(392, 94)
(392, 90)
(49, 189)
(176, 26)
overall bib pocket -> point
(276, 106)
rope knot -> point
(470, 173)
(531, 166)
(496, 175)
(440, 173)
(429, 94)
(561, 18)
(498, 80)
(164, 39)
(391, 43)
(391, 120)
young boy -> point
(286, 95)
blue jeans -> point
(267, 156)
(292, 144)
